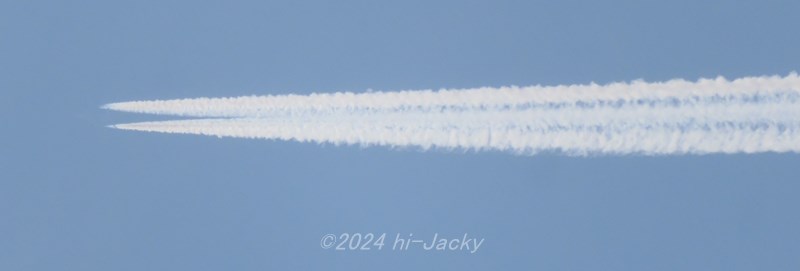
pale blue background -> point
(75, 195)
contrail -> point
(746, 115)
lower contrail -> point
(746, 115)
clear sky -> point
(75, 195)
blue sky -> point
(77, 195)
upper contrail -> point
(745, 115)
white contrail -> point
(752, 114)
